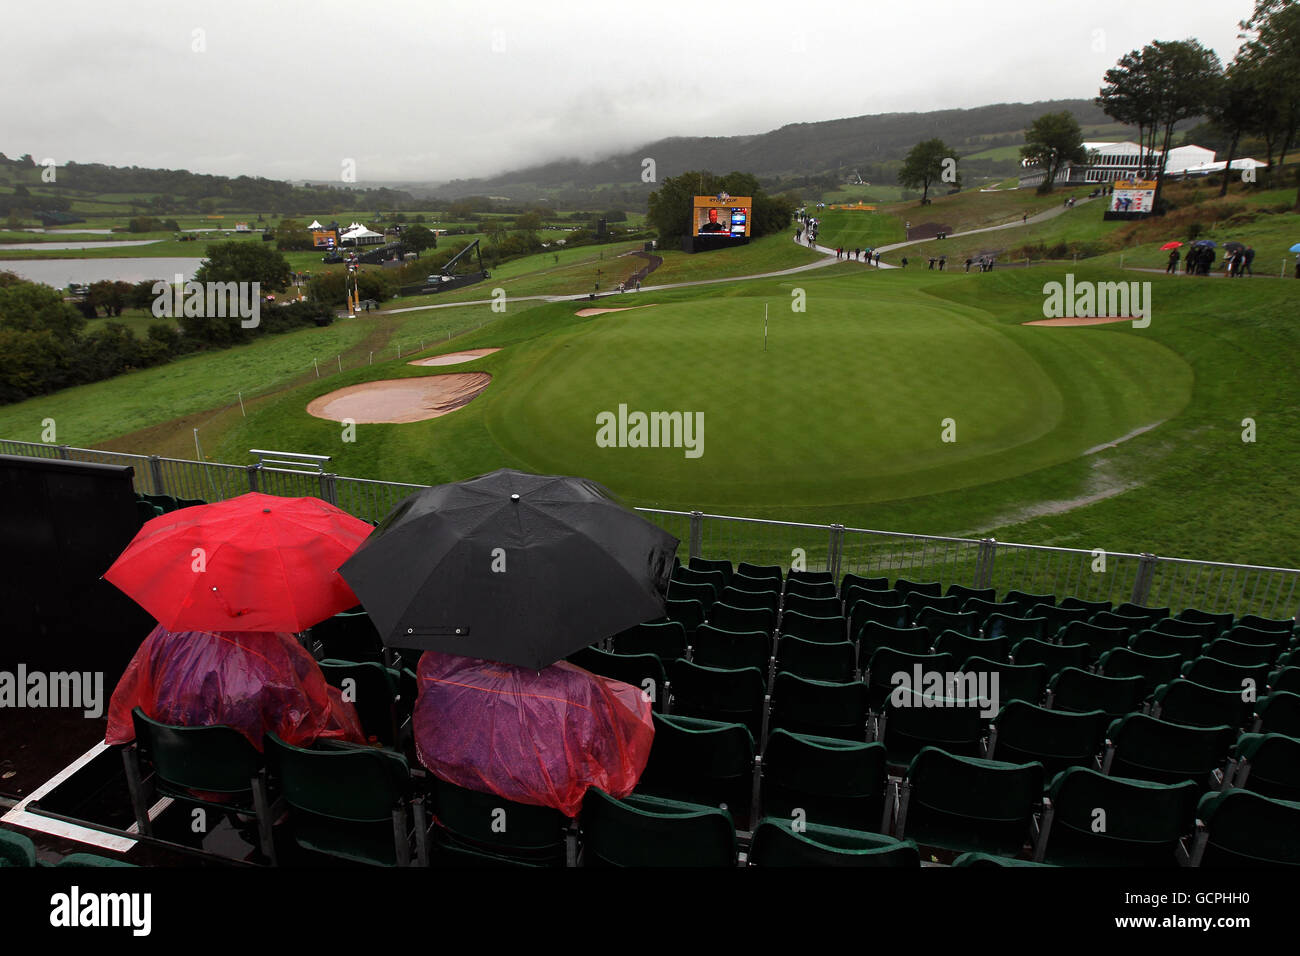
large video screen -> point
(722, 215)
(1133, 195)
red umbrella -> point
(1171, 245)
(253, 563)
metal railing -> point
(1115, 576)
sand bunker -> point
(396, 401)
(628, 308)
(1100, 320)
(454, 358)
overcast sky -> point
(432, 91)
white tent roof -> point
(357, 231)
(315, 224)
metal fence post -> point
(835, 552)
(984, 562)
(65, 452)
(697, 534)
(252, 476)
(156, 473)
(1145, 573)
(328, 489)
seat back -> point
(1054, 656)
(651, 831)
(700, 761)
(1247, 829)
(936, 621)
(815, 660)
(1092, 607)
(857, 580)
(1125, 622)
(1077, 690)
(736, 597)
(919, 600)
(822, 587)
(968, 594)
(906, 587)
(874, 636)
(964, 803)
(813, 606)
(710, 565)
(1055, 738)
(715, 647)
(887, 667)
(1015, 681)
(372, 689)
(820, 708)
(1234, 652)
(360, 785)
(1279, 713)
(665, 639)
(1142, 826)
(634, 669)
(215, 759)
(834, 781)
(1159, 643)
(470, 819)
(723, 694)
(776, 843)
(1025, 600)
(1154, 669)
(1151, 749)
(1186, 702)
(827, 630)
(739, 620)
(961, 646)
(863, 613)
(915, 718)
(1205, 630)
(1269, 764)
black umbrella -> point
(1234, 246)
(511, 567)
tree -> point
(418, 238)
(1159, 86)
(1236, 109)
(529, 222)
(237, 261)
(671, 205)
(1273, 53)
(1051, 141)
(926, 164)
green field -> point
(1105, 436)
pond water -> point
(62, 272)
(87, 244)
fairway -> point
(846, 406)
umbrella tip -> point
(514, 497)
(266, 511)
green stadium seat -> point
(665, 639)
(1196, 616)
(1153, 669)
(1058, 739)
(1142, 826)
(1077, 690)
(962, 647)
(712, 565)
(863, 613)
(969, 594)
(813, 606)
(651, 831)
(1205, 630)
(1279, 713)
(884, 662)
(936, 622)
(372, 689)
(1285, 678)
(917, 601)
(1054, 656)
(988, 860)
(706, 762)
(715, 647)
(1234, 652)
(1016, 628)
(1023, 600)
(1015, 681)
(16, 850)
(1147, 748)
(1268, 764)
(350, 802)
(217, 762)
(735, 696)
(1238, 828)
(911, 722)
(857, 580)
(968, 804)
(873, 636)
(643, 671)
(1125, 622)
(827, 630)
(777, 843)
(1286, 626)
(1092, 607)
(689, 613)
(905, 587)
(1186, 702)
(819, 708)
(886, 597)
(815, 660)
(834, 781)
(769, 601)
(1057, 617)
(983, 609)
(1224, 676)
(483, 829)
(1150, 614)
(1258, 638)
(767, 572)
(686, 584)
(743, 582)
(1098, 639)
(742, 619)
(349, 636)
(1159, 644)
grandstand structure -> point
(903, 698)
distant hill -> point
(872, 145)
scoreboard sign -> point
(722, 215)
(1133, 195)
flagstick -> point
(198, 449)
(241, 405)
(764, 326)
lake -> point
(62, 272)
(87, 244)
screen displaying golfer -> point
(712, 224)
